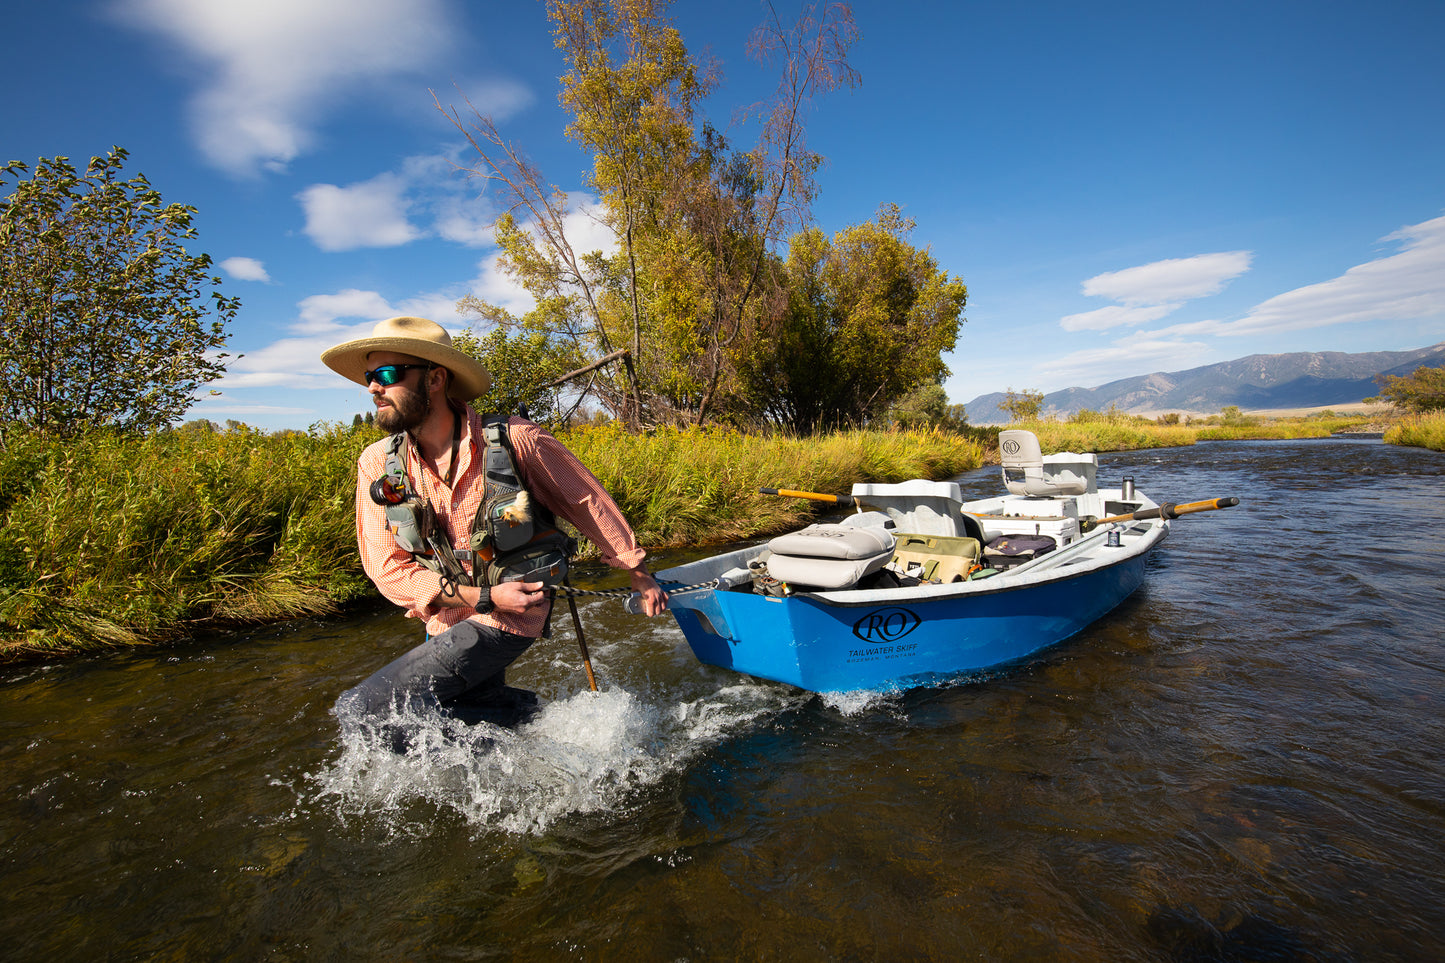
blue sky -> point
(1124, 187)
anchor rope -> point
(628, 593)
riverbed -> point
(1245, 761)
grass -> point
(126, 541)
(123, 541)
(1419, 431)
(700, 486)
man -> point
(420, 385)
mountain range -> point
(1302, 379)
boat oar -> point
(1089, 522)
(847, 501)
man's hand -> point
(654, 599)
(515, 598)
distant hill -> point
(1306, 379)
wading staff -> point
(581, 639)
(1089, 523)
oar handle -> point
(1163, 511)
(846, 501)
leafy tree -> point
(1023, 405)
(1421, 390)
(522, 365)
(870, 319)
(103, 314)
(927, 407)
(692, 272)
(1231, 416)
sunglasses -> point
(389, 374)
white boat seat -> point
(1024, 471)
(827, 556)
(922, 506)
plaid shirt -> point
(552, 474)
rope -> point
(628, 593)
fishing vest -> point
(513, 536)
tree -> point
(522, 365)
(927, 407)
(1022, 405)
(103, 315)
(870, 318)
(1421, 390)
(692, 274)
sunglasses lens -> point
(386, 375)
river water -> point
(1246, 761)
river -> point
(1246, 761)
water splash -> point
(584, 753)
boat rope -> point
(628, 593)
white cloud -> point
(1116, 315)
(245, 269)
(1176, 279)
(367, 214)
(396, 207)
(319, 312)
(1406, 286)
(272, 66)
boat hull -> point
(824, 646)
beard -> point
(406, 412)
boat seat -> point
(828, 556)
(922, 506)
(1024, 470)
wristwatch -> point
(485, 603)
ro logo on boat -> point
(885, 625)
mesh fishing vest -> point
(513, 536)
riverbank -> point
(118, 542)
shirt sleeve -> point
(562, 483)
(396, 575)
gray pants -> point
(465, 663)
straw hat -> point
(417, 337)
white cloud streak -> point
(1176, 279)
(1153, 291)
(1116, 315)
(1406, 286)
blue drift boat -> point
(920, 586)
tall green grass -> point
(700, 486)
(121, 541)
(1419, 431)
(1097, 436)
(117, 540)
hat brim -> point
(469, 378)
